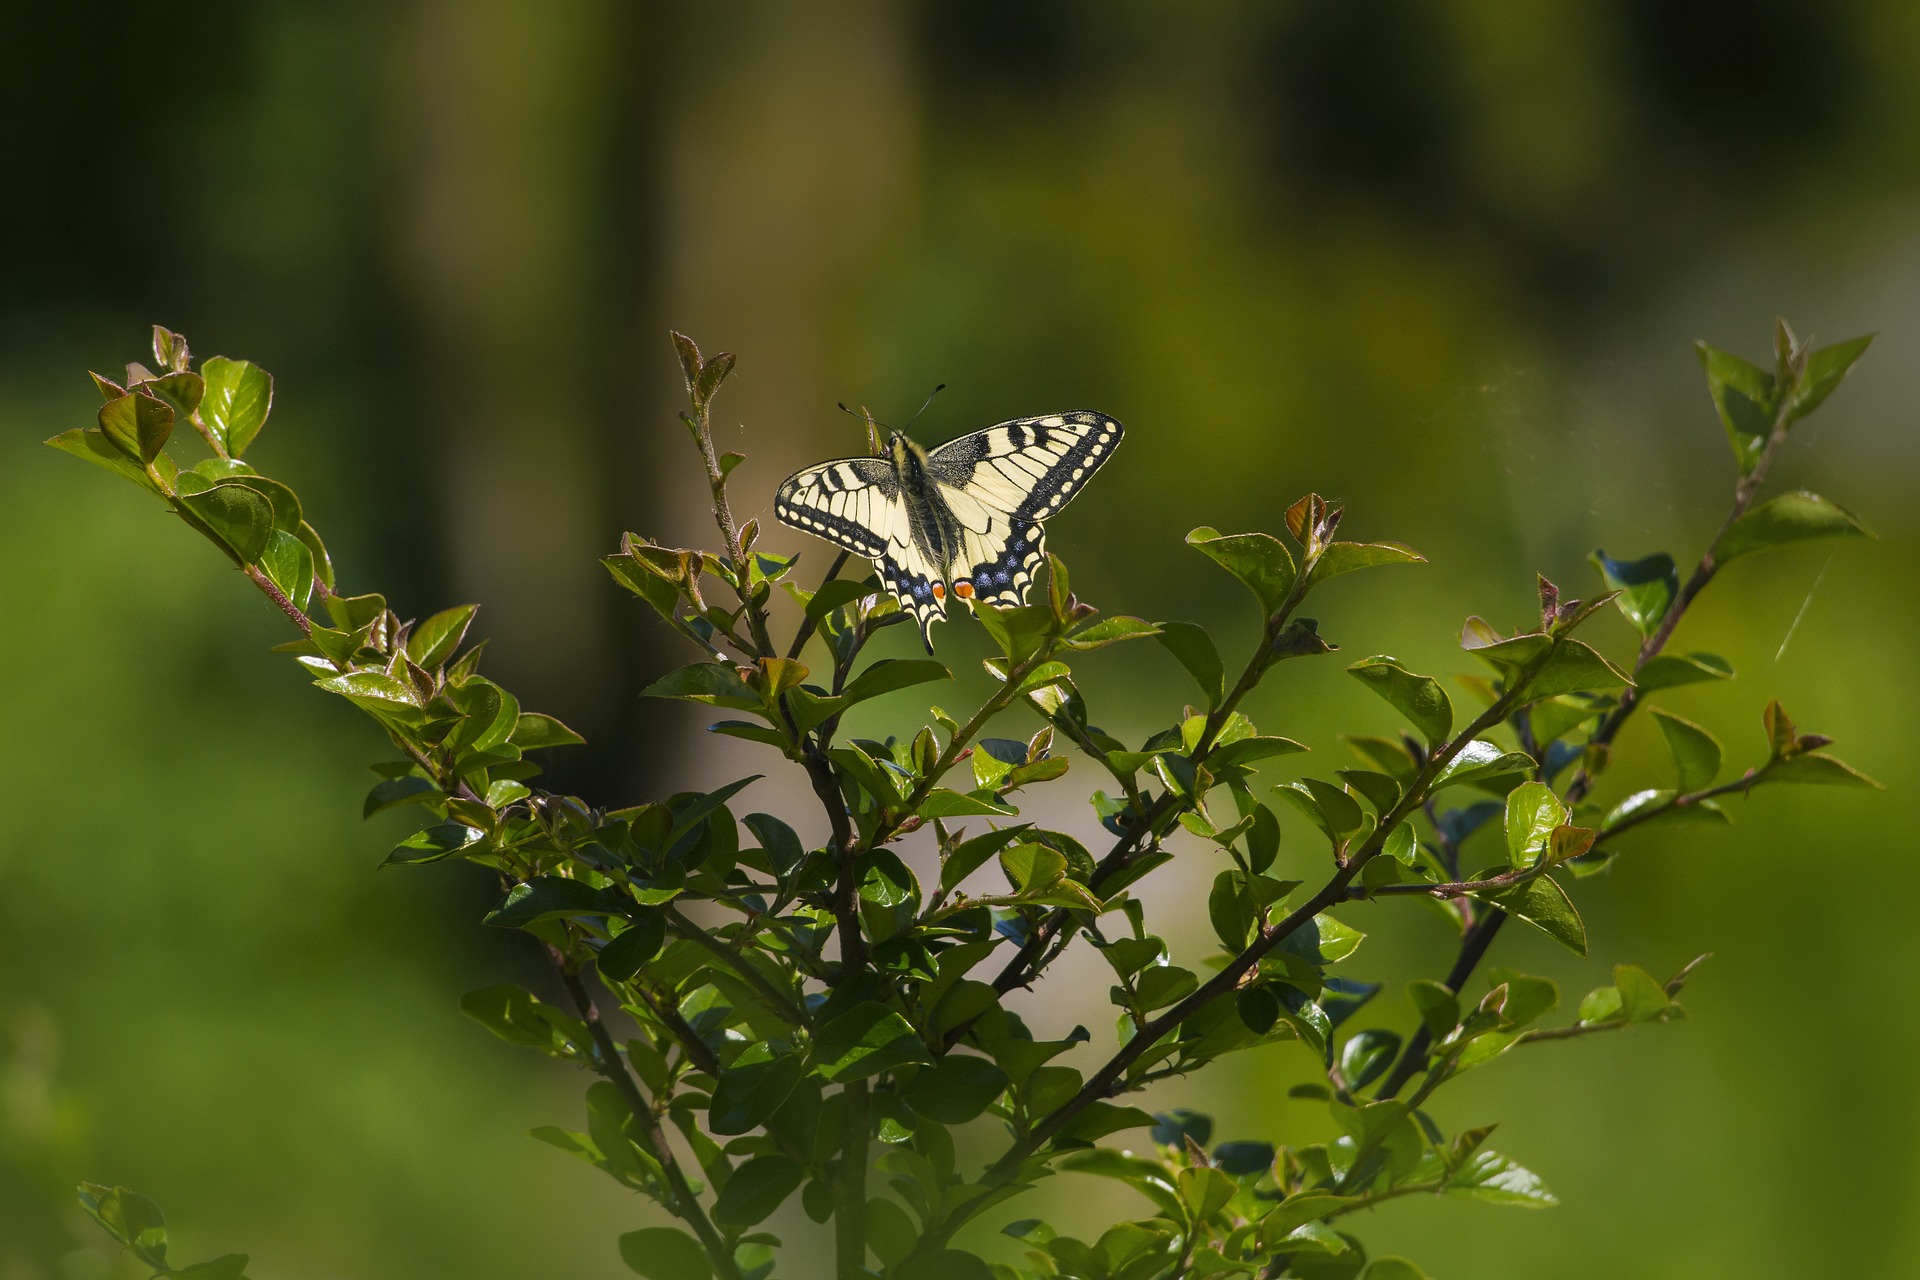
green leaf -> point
(665, 1253)
(1367, 1054)
(890, 674)
(1439, 1008)
(955, 1089)
(1498, 1180)
(237, 515)
(533, 731)
(1543, 904)
(756, 1189)
(395, 792)
(1782, 521)
(238, 397)
(753, 1088)
(1670, 670)
(434, 641)
(1261, 561)
(1647, 587)
(1481, 761)
(1817, 768)
(130, 1218)
(943, 1264)
(1826, 367)
(890, 1232)
(545, 898)
(288, 564)
(1419, 698)
(1392, 1268)
(1573, 667)
(638, 943)
(942, 803)
(1242, 751)
(1106, 631)
(434, 843)
(92, 445)
(1642, 999)
(1345, 557)
(867, 1039)
(1533, 811)
(1696, 753)
(1744, 395)
(713, 683)
(513, 1014)
(138, 424)
(1331, 809)
(1190, 644)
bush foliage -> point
(817, 1022)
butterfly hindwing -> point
(999, 569)
(851, 502)
(917, 585)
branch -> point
(1473, 946)
(1041, 946)
(608, 1062)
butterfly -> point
(963, 519)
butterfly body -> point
(963, 519)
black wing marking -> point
(916, 583)
(1000, 569)
(1024, 470)
(851, 502)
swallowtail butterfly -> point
(962, 520)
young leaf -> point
(238, 397)
(1817, 768)
(1696, 753)
(434, 641)
(1544, 905)
(237, 514)
(1743, 394)
(1647, 587)
(1826, 367)
(1671, 670)
(1533, 813)
(1781, 521)
(1259, 560)
(1419, 698)
(138, 424)
(1190, 644)
(1345, 557)
(1498, 1180)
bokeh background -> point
(1443, 260)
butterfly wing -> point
(857, 504)
(1002, 482)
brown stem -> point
(610, 1065)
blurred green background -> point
(1440, 260)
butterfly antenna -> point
(923, 405)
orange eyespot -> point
(939, 591)
(964, 590)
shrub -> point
(817, 1022)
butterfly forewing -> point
(851, 502)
